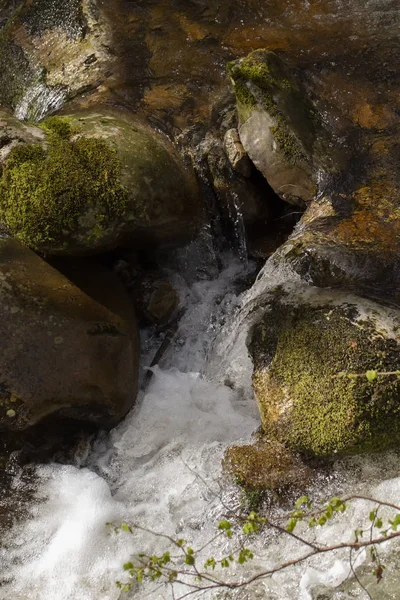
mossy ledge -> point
(298, 353)
(44, 190)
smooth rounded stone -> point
(63, 354)
(98, 180)
(311, 350)
(266, 465)
(236, 154)
(156, 298)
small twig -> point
(362, 586)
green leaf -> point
(244, 555)
(189, 559)
(180, 543)
(249, 528)
(358, 533)
(139, 576)
(372, 515)
(378, 523)
(128, 566)
(210, 562)
(290, 527)
(396, 522)
(301, 501)
(125, 527)
(322, 520)
(189, 550)
(371, 375)
(224, 563)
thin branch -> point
(362, 586)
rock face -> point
(311, 352)
(62, 353)
(51, 51)
(13, 133)
(236, 153)
(98, 180)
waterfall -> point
(40, 100)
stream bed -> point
(161, 468)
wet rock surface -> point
(329, 144)
(62, 352)
(51, 51)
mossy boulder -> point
(96, 181)
(266, 466)
(311, 352)
(63, 354)
(280, 127)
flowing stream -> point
(161, 468)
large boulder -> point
(62, 353)
(311, 351)
(97, 180)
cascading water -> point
(161, 468)
(236, 218)
(40, 100)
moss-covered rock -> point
(279, 126)
(301, 349)
(96, 181)
(63, 353)
(266, 466)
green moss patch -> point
(298, 354)
(45, 191)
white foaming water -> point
(161, 469)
